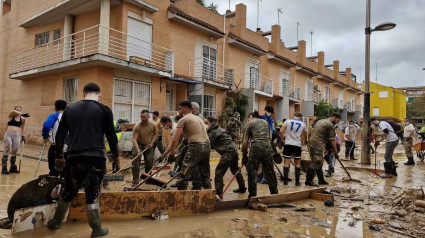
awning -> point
(182, 80)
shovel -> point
(234, 176)
(150, 176)
(39, 160)
(165, 185)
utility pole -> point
(258, 14)
(298, 24)
(376, 69)
(279, 11)
(311, 43)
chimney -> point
(336, 69)
(301, 51)
(276, 41)
(348, 74)
(321, 61)
(240, 17)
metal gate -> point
(130, 98)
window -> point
(285, 84)
(209, 69)
(41, 39)
(254, 75)
(209, 106)
(56, 35)
(375, 111)
(70, 89)
(327, 94)
(383, 94)
(256, 104)
(130, 98)
(309, 90)
(419, 92)
(410, 92)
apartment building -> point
(387, 102)
(151, 54)
(412, 93)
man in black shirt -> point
(87, 122)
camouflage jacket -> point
(257, 130)
(219, 140)
(322, 133)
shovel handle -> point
(344, 167)
(165, 185)
(234, 176)
(137, 156)
(150, 176)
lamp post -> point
(365, 159)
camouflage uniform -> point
(258, 132)
(223, 144)
(196, 162)
(148, 158)
(232, 130)
(322, 133)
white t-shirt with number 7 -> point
(294, 130)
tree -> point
(324, 109)
(235, 104)
(416, 107)
(213, 7)
(201, 2)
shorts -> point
(290, 151)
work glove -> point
(25, 115)
(23, 139)
(244, 159)
(60, 164)
(171, 159)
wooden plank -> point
(133, 205)
(287, 197)
(272, 199)
(367, 169)
(33, 217)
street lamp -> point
(365, 159)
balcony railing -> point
(349, 106)
(258, 82)
(287, 89)
(209, 112)
(335, 102)
(206, 69)
(95, 40)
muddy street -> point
(355, 205)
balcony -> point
(291, 91)
(261, 84)
(335, 102)
(317, 96)
(209, 71)
(96, 45)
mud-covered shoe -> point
(60, 212)
(240, 190)
(93, 218)
(309, 178)
(320, 177)
(410, 161)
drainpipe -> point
(67, 31)
(224, 43)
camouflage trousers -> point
(181, 153)
(196, 163)
(228, 160)
(316, 158)
(407, 142)
(148, 157)
(261, 153)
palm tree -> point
(201, 2)
(213, 7)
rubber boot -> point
(61, 209)
(309, 178)
(13, 169)
(393, 168)
(410, 161)
(297, 176)
(4, 165)
(93, 218)
(320, 177)
(387, 167)
(240, 190)
(329, 173)
(285, 175)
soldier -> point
(223, 144)
(322, 132)
(409, 129)
(232, 129)
(292, 130)
(195, 110)
(144, 136)
(258, 131)
(158, 142)
(197, 157)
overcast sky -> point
(338, 30)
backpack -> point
(398, 129)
